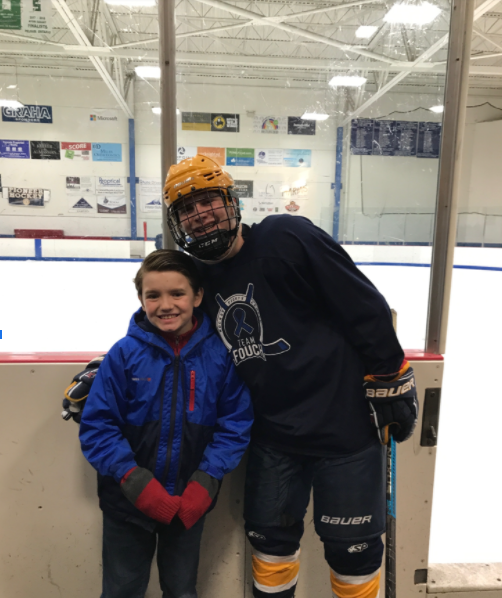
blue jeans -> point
(128, 551)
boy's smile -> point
(169, 301)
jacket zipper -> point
(172, 421)
(191, 404)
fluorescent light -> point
(366, 31)
(412, 14)
(10, 104)
(11, 86)
(158, 110)
(131, 3)
(148, 72)
(437, 109)
(314, 116)
(347, 81)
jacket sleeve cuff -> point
(212, 485)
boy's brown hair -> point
(164, 260)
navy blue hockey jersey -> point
(303, 326)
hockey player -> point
(310, 335)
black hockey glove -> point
(393, 404)
(76, 394)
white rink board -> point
(86, 306)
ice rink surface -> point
(86, 306)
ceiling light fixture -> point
(131, 3)
(314, 116)
(10, 104)
(347, 81)
(148, 72)
(412, 14)
(437, 109)
(158, 110)
(11, 86)
(366, 31)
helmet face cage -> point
(192, 210)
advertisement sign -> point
(216, 153)
(82, 203)
(195, 121)
(270, 125)
(10, 14)
(240, 156)
(265, 207)
(111, 195)
(268, 189)
(269, 157)
(14, 149)
(243, 188)
(103, 116)
(28, 113)
(298, 126)
(77, 151)
(45, 150)
(186, 152)
(20, 196)
(150, 194)
(297, 157)
(225, 123)
(107, 152)
(37, 16)
(77, 185)
(292, 207)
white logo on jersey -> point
(239, 324)
(357, 548)
(255, 535)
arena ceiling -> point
(297, 44)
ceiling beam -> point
(262, 20)
(98, 64)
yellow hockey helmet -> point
(195, 191)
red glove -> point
(197, 498)
(148, 495)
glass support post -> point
(457, 84)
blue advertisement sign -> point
(14, 149)
(29, 113)
(297, 157)
(107, 152)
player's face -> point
(204, 213)
(169, 301)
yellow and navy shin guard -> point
(277, 575)
(355, 586)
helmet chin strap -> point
(226, 254)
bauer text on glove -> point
(393, 403)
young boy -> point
(166, 419)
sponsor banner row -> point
(55, 150)
(38, 114)
(87, 194)
(150, 193)
(242, 156)
(230, 123)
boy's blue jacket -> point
(171, 415)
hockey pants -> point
(349, 517)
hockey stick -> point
(390, 535)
